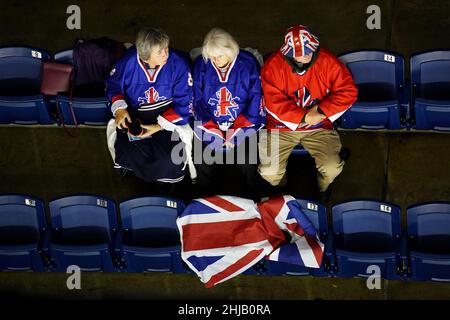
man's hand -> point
(150, 129)
(121, 116)
(313, 117)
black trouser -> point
(243, 157)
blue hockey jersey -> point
(228, 103)
(169, 88)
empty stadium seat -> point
(367, 233)
(150, 240)
(88, 111)
(20, 81)
(83, 233)
(382, 99)
(89, 103)
(23, 233)
(430, 78)
(428, 241)
(65, 56)
(317, 214)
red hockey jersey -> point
(289, 95)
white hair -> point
(219, 42)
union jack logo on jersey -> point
(151, 96)
(298, 42)
(225, 104)
(303, 98)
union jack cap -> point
(299, 41)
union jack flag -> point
(225, 104)
(222, 236)
(298, 42)
(151, 96)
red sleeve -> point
(343, 92)
(172, 116)
(278, 103)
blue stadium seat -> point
(65, 56)
(317, 214)
(428, 241)
(299, 150)
(23, 233)
(382, 99)
(150, 240)
(84, 229)
(88, 110)
(367, 233)
(430, 82)
(20, 82)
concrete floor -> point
(406, 26)
(401, 167)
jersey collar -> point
(151, 78)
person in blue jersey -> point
(150, 90)
(227, 108)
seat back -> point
(430, 84)
(65, 56)
(366, 226)
(84, 230)
(379, 76)
(20, 81)
(151, 221)
(22, 231)
(430, 75)
(151, 240)
(428, 232)
(21, 70)
(366, 234)
(83, 220)
(428, 227)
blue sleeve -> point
(182, 91)
(200, 110)
(253, 110)
(115, 88)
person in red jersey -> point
(306, 88)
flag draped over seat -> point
(222, 236)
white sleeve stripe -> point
(336, 116)
(166, 124)
(118, 104)
(290, 125)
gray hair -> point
(219, 42)
(149, 39)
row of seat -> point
(21, 101)
(386, 100)
(83, 230)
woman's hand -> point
(229, 145)
(150, 129)
(121, 116)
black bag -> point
(93, 61)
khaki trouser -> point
(323, 145)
